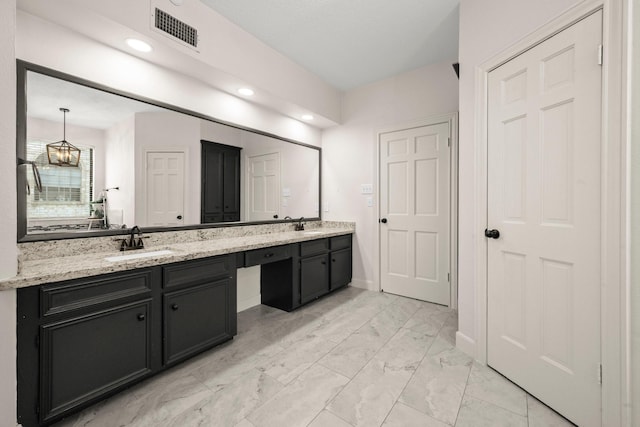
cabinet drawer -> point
(198, 271)
(340, 242)
(314, 247)
(266, 255)
(66, 296)
(211, 218)
(231, 217)
(85, 357)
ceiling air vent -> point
(176, 28)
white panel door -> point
(414, 211)
(544, 155)
(264, 186)
(165, 189)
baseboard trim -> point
(466, 344)
(249, 302)
(364, 284)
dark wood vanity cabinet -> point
(220, 183)
(314, 268)
(82, 340)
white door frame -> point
(614, 313)
(452, 120)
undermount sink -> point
(312, 233)
(138, 255)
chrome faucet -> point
(300, 226)
(132, 243)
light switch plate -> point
(366, 188)
(370, 201)
(286, 192)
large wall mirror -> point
(147, 164)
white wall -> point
(349, 151)
(8, 225)
(635, 222)
(119, 171)
(486, 28)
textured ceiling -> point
(350, 43)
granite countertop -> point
(55, 269)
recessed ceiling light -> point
(245, 91)
(139, 45)
(307, 117)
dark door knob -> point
(179, 217)
(383, 220)
(492, 234)
(276, 216)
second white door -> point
(165, 189)
(544, 199)
(414, 213)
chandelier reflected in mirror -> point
(62, 153)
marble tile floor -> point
(353, 358)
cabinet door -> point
(197, 318)
(212, 181)
(314, 280)
(231, 185)
(340, 268)
(88, 356)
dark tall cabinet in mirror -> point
(220, 183)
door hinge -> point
(448, 141)
(600, 373)
(600, 54)
(448, 277)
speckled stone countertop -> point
(66, 264)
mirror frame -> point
(21, 140)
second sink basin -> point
(138, 255)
